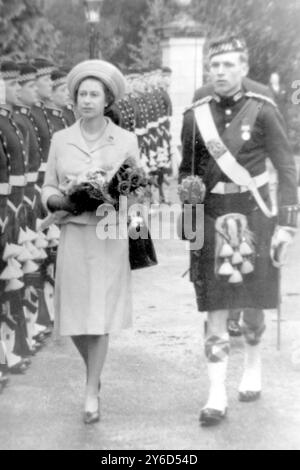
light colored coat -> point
(69, 156)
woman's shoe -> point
(212, 417)
(92, 417)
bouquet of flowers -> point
(93, 188)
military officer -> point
(226, 140)
(42, 122)
(37, 316)
(234, 327)
(56, 106)
(44, 130)
(14, 331)
(4, 192)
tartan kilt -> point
(259, 289)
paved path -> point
(155, 379)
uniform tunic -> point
(93, 278)
(268, 140)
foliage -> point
(24, 32)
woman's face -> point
(91, 99)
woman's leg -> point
(81, 343)
(97, 351)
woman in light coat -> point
(93, 278)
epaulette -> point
(206, 99)
(250, 94)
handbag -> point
(141, 250)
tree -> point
(147, 53)
(270, 28)
(119, 26)
(24, 31)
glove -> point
(281, 239)
(61, 203)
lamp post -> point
(92, 10)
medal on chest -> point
(246, 131)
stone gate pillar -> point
(182, 51)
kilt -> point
(259, 289)
(93, 283)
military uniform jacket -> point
(267, 140)
(56, 119)
(69, 115)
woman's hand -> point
(62, 203)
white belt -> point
(161, 120)
(140, 131)
(5, 189)
(38, 189)
(43, 167)
(232, 188)
(152, 125)
(32, 177)
(19, 181)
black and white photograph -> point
(149, 242)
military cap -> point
(43, 66)
(104, 71)
(27, 72)
(9, 70)
(58, 77)
(227, 44)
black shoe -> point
(234, 328)
(249, 397)
(19, 368)
(211, 417)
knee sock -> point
(251, 380)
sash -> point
(223, 157)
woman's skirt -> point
(93, 283)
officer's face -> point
(44, 87)
(28, 93)
(91, 99)
(60, 96)
(226, 72)
(12, 91)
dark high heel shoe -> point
(92, 417)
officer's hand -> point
(281, 239)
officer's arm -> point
(280, 153)
(192, 148)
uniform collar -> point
(40, 104)
(23, 109)
(228, 101)
(54, 111)
(4, 111)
